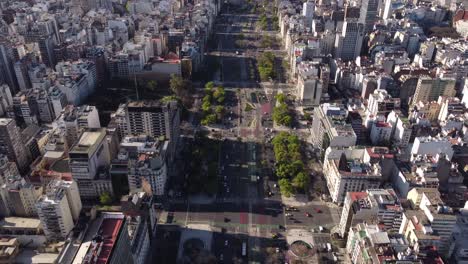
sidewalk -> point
(201, 199)
(297, 200)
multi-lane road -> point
(243, 211)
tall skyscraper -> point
(54, 212)
(11, 144)
(368, 15)
(7, 72)
(152, 118)
(349, 39)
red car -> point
(318, 210)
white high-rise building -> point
(146, 158)
(350, 170)
(54, 212)
(375, 204)
(75, 119)
(71, 191)
(87, 157)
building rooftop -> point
(5, 121)
(89, 141)
(100, 249)
(20, 223)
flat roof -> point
(20, 222)
(5, 121)
(29, 256)
(89, 140)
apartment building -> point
(55, 214)
(75, 119)
(146, 162)
(87, 157)
(329, 127)
(350, 170)
(381, 205)
(11, 144)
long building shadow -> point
(174, 244)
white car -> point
(226, 242)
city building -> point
(152, 118)
(8, 169)
(349, 39)
(18, 197)
(71, 191)
(141, 225)
(11, 144)
(329, 127)
(350, 170)
(88, 156)
(309, 85)
(368, 14)
(55, 214)
(77, 80)
(376, 205)
(75, 119)
(432, 146)
(436, 219)
(6, 99)
(146, 163)
(109, 241)
(429, 89)
(381, 133)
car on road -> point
(308, 214)
(275, 236)
(288, 214)
(237, 52)
(226, 243)
(292, 208)
(221, 257)
(226, 219)
(318, 210)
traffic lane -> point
(227, 252)
(315, 219)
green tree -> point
(219, 92)
(206, 106)
(105, 198)
(169, 98)
(301, 181)
(219, 110)
(281, 98)
(151, 85)
(179, 86)
(209, 86)
(307, 116)
(285, 187)
(209, 119)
